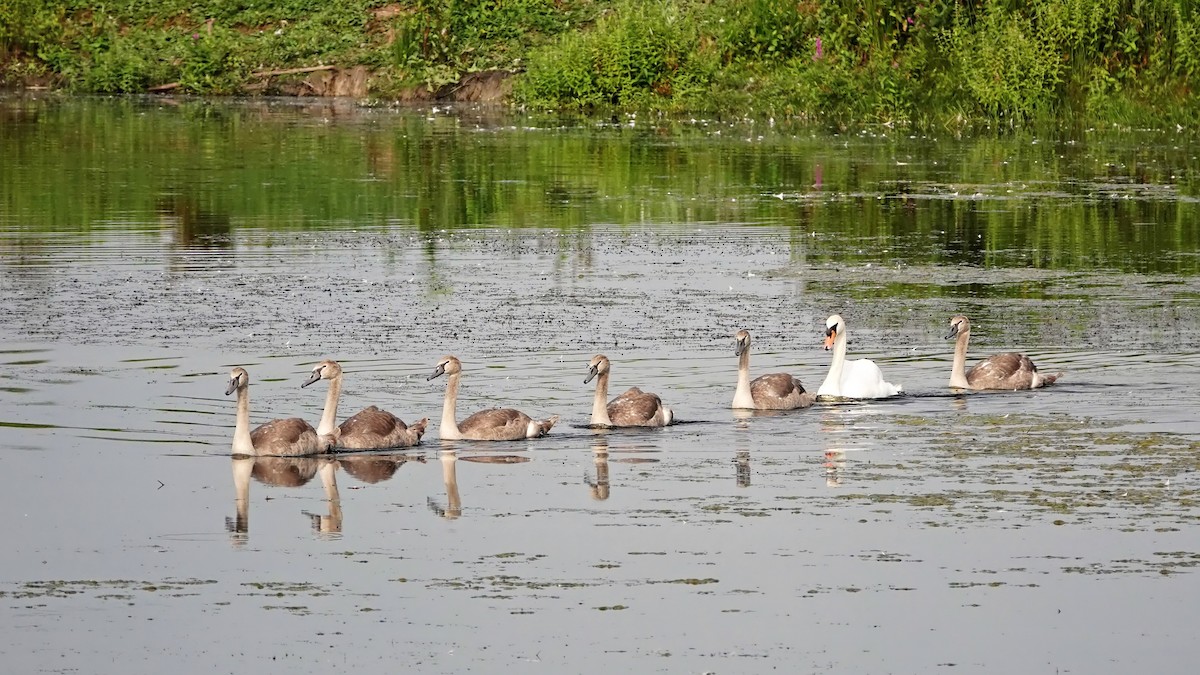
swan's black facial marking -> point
(740, 345)
(236, 380)
(440, 370)
(955, 326)
(830, 336)
(316, 375)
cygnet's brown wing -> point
(290, 436)
(1008, 370)
(373, 428)
(779, 391)
(497, 424)
(636, 408)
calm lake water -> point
(148, 246)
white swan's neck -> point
(600, 401)
(329, 417)
(832, 386)
(741, 396)
(242, 444)
(449, 430)
(958, 374)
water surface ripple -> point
(984, 532)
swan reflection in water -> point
(837, 427)
(449, 458)
(453, 508)
(600, 488)
(295, 472)
(741, 460)
(741, 456)
(331, 523)
(288, 472)
(835, 462)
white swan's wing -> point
(861, 378)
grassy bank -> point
(958, 62)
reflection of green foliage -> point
(991, 202)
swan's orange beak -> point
(830, 336)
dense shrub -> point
(636, 52)
(881, 60)
(26, 24)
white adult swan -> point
(776, 391)
(860, 378)
(1008, 370)
(497, 424)
(634, 408)
(370, 429)
(291, 436)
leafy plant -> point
(27, 24)
(636, 54)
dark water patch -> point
(63, 589)
(27, 425)
(187, 411)
(624, 432)
(281, 589)
(139, 440)
(494, 459)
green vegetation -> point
(958, 61)
(994, 60)
(217, 47)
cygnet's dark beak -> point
(953, 331)
(233, 383)
(316, 375)
(440, 370)
(592, 370)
